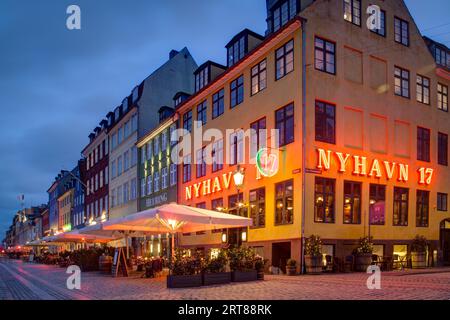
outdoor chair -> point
(387, 264)
(349, 263)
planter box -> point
(418, 260)
(291, 271)
(260, 275)
(363, 261)
(216, 278)
(313, 264)
(189, 281)
(244, 276)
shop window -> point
(377, 207)
(401, 199)
(324, 200)
(258, 207)
(352, 202)
(284, 203)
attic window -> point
(201, 79)
(282, 13)
(236, 51)
(125, 105)
(135, 94)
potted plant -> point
(214, 270)
(260, 264)
(419, 248)
(291, 267)
(313, 255)
(242, 264)
(184, 271)
(364, 254)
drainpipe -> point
(303, 90)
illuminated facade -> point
(370, 159)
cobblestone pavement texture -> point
(19, 280)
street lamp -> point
(238, 178)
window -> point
(237, 91)
(113, 169)
(164, 141)
(119, 196)
(258, 207)
(119, 136)
(127, 129)
(173, 135)
(173, 174)
(126, 161)
(325, 122)
(133, 189)
(401, 31)
(143, 185)
(217, 155)
(442, 57)
(284, 203)
(119, 166)
(134, 122)
(187, 121)
(217, 204)
(442, 97)
(282, 13)
(284, 60)
(156, 146)
(325, 56)
(236, 151)
(324, 200)
(401, 82)
(164, 178)
(187, 169)
(259, 77)
(422, 208)
(201, 79)
(201, 113)
(126, 193)
(423, 144)
(442, 149)
(377, 204)
(149, 150)
(258, 136)
(236, 51)
(284, 123)
(401, 199)
(352, 11)
(423, 89)
(201, 163)
(101, 179)
(442, 201)
(235, 205)
(156, 181)
(382, 30)
(149, 184)
(352, 202)
(218, 103)
(133, 156)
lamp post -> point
(238, 178)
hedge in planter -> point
(214, 271)
(313, 255)
(242, 264)
(185, 271)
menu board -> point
(119, 263)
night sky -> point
(56, 85)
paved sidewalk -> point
(20, 280)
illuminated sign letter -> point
(206, 187)
(342, 161)
(189, 193)
(389, 169)
(226, 178)
(324, 159)
(360, 165)
(216, 185)
(197, 189)
(403, 172)
(425, 175)
(376, 169)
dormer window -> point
(201, 79)
(236, 51)
(282, 13)
(117, 114)
(135, 94)
(125, 105)
(442, 57)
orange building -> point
(362, 148)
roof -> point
(242, 33)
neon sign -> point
(267, 162)
(208, 186)
(361, 166)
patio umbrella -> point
(174, 218)
(75, 236)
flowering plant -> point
(313, 246)
(365, 246)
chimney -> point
(173, 53)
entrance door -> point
(445, 241)
(281, 253)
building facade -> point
(77, 219)
(362, 144)
(54, 192)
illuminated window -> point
(423, 144)
(442, 149)
(237, 91)
(149, 184)
(284, 123)
(164, 178)
(401, 198)
(352, 202)
(442, 97)
(201, 113)
(325, 122)
(156, 181)
(352, 11)
(401, 82)
(284, 60)
(234, 205)
(236, 51)
(173, 174)
(442, 201)
(218, 103)
(324, 195)
(401, 31)
(282, 13)
(217, 155)
(259, 77)
(284, 203)
(422, 208)
(325, 55)
(377, 204)
(258, 207)
(187, 169)
(423, 89)
(236, 144)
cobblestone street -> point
(20, 280)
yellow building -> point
(363, 134)
(65, 203)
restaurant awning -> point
(98, 230)
(175, 218)
(76, 236)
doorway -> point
(281, 253)
(445, 241)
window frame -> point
(442, 92)
(283, 59)
(399, 192)
(257, 77)
(401, 35)
(284, 197)
(202, 110)
(260, 201)
(284, 120)
(440, 204)
(218, 103)
(378, 195)
(422, 209)
(402, 79)
(324, 117)
(423, 144)
(423, 88)
(383, 26)
(324, 51)
(353, 195)
(234, 91)
(442, 149)
(353, 16)
(324, 183)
